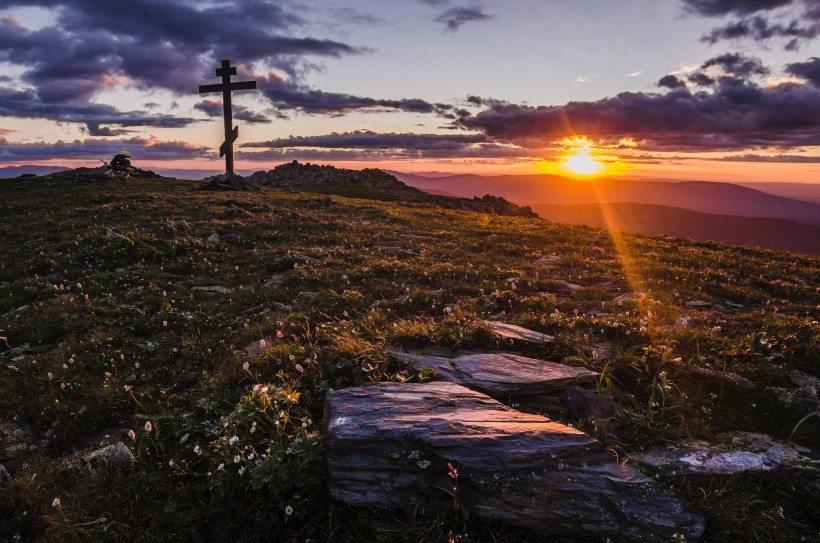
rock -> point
(389, 445)
(572, 287)
(698, 304)
(501, 375)
(512, 331)
(4, 475)
(588, 404)
(214, 289)
(229, 181)
(548, 260)
(115, 455)
(275, 279)
(256, 348)
(734, 452)
(25, 350)
(17, 440)
(682, 323)
(803, 396)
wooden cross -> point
(225, 72)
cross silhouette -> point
(225, 72)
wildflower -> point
(263, 343)
(56, 502)
(299, 368)
(62, 386)
(80, 286)
(220, 467)
(288, 510)
(233, 440)
(253, 427)
(108, 375)
(165, 324)
(127, 388)
(291, 358)
(424, 464)
(132, 435)
(246, 366)
(241, 470)
(280, 334)
(452, 471)
(50, 376)
(236, 458)
(149, 426)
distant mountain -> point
(16, 171)
(808, 192)
(767, 233)
(701, 196)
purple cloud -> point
(215, 108)
(454, 18)
(139, 148)
(732, 114)
(809, 70)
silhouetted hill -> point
(766, 233)
(16, 171)
(701, 196)
(371, 182)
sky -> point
(688, 89)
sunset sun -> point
(579, 161)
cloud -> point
(215, 108)
(794, 159)
(732, 113)
(796, 21)
(454, 17)
(139, 148)
(809, 70)
(171, 45)
(368, 145)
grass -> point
(104, 273)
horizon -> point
(419, 87)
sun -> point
(580, 162)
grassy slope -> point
(105, 272)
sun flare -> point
(580, 161)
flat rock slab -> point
(733, 453)
(389, 445)
(519, 333)
(214, 289)
(501, 375)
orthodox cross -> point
(225, 72)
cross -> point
(225, 72)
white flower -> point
(148, 426)
(288, 510)
(236, 459)
(220, 467)
(241, 470)
(132, 435)
(196, 449)
(233, 440)
(56, 502)
(246, 366)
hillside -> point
(779, 234)
(201, 332)
(701, 196)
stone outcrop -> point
(501, 375)
(295, 174)
(519, 333)
(389, 445)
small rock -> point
(214, 289)
(4, 475)
(734, 452)
(117, 455)
(726, 376)
(275, 279)
(17, 440)
(548, 260)
(681, 323)
(515, 332)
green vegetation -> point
(228, 442)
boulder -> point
(115, 455)
(501, 374)
(389, 445)
(519, 333)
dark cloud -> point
(214, 108)
(809, 70)
(711, 8)
(366, 139)
(733, 114)
(453, 18)
(94, 129)
(794, 21)
(139, 148)
(25, 103)
(671, 82)
(367, 145)
(794, 159)
(173, 45)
